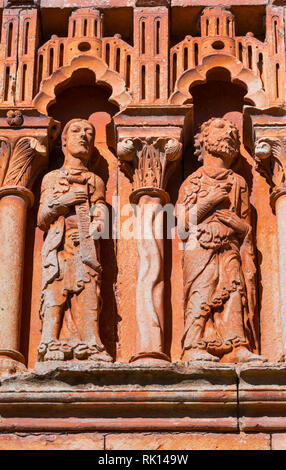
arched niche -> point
(218, 87)
(218, 96)
(238, 74)
(61, 77)
(84, 98)
(92, 93)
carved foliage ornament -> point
(147, 163)
(270, 160)
(19, 166)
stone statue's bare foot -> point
(55, 350)
(55, 355)
(102, 356)
(242, 355)
(191, 355)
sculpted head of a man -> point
(78, 139)
(218, 137)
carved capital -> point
(265, 136)
(148, 163)
(27, 159)
(270, 160)
(26, 137)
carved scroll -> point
(87, 247)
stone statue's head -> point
(78, 139)
(218, 137)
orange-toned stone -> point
(187, 441)
(21, 441)
(278, 441)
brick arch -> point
(62, 76)
(239, 74)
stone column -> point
(14, 202)
(23, 156)
(151, 161)
(280, 208)
(148, 148)
(265, 134)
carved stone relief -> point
(219, 269)
(71, 270)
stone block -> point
(187, 441)
(87, 441)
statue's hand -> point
(219, 194)
(73, 198)
(233, 221)
(95, 229)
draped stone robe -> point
(65, 274)
(218, 269)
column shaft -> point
(13, 214)
(280, 208)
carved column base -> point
(11, 362)
(149, 191)
(150, 358)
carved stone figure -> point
(218, 265)
(71, 270)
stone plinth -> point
(89, 397)
(262, 397)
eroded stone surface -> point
(21, 441)
(188, 441)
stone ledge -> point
(262, 397)
(86, 396)
(175, 397)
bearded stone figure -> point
(73, 214)
(218, 264)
